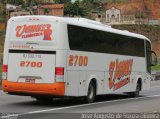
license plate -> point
(30, 81)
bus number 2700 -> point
(30, 64)
(75, 60)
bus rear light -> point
(5, 68)
(59, 74)
(4, 71)
(59, 71)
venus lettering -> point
(26, 31)
(120, 69)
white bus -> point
(46, 57)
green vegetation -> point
(157, 67)
(140, 15)
(74, 9)
(150, 31)
(2, 36)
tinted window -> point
(85, 39)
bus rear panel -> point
(31, 54)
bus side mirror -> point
(153, 58)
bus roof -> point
(85, 23)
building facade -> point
(113, 15)
(51, 9)
(19, 13)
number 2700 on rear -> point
(31, 64)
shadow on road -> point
(64, 103)
(70, 101)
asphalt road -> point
(28, 108)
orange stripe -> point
(49, 89)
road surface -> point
(28, 108)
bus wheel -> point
(136, 93)
(91, 93)
(44, 99)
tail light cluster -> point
(59, 74)
(4, 71)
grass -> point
(157, 67)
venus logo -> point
(119, 73)
(26, 31)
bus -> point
(47, 57)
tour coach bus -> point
(47, 57)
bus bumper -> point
(57, 89)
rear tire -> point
(91, 93)
(136, 93)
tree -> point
(46, 11)
(75, 9)
(15, 2)
(140, 15)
